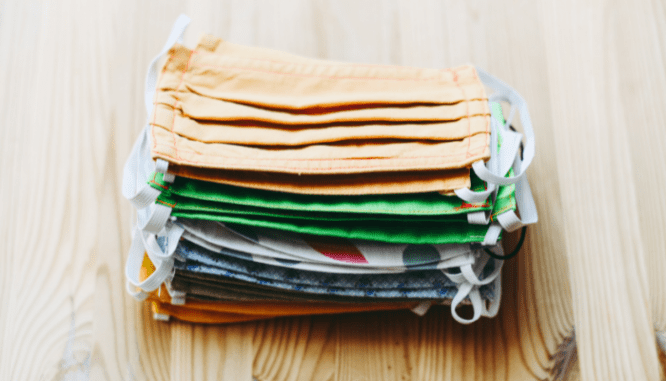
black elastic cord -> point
(514, 252)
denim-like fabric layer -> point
(417, 284)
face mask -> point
(324, 215)
(218, 312)
(479, 298)
(417, 232)
(243, 276)
(191, 90)
(445, 181)
(403, 205)
(327, 254)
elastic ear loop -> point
(507, 93)
(466, 288)
(508, 220)
(163, 262)
(134, 188)
(145, 195)
(514, 252)
(508, 151)
(133, 267)
(474, 297)
(501, 161)
(176, 35)
(471, 276)
(493, 309)
(153, 218)
(470, 196)
(162, 166)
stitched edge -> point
(173, 206)
(175, 102)
(154, 181)
(342, 64)
(429, 79)
(468, 154)
(469, 122)
(157, 91)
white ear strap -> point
(526, 206)
(153, 218)
(474, 197)
(176, 35)
(474, 296)
(471, 276)
(504, 92)
(162, 260)
(509, 220)
(133, 267)
(493, 309)
(162, 166)
(492, 235)
(481, 217)
(500, 161)
(142, 195)
(469, 283)
(135, 174)
(171, 236)
(478, 304)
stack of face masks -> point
(272, 185)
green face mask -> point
(206, 194)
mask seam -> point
(469, 122)
(342, 64)
(175, 102)
(157, 90)
(330, 159)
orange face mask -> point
(266, 119)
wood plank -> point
(71, 107)
(601, 221)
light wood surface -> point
(593, 73)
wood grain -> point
(592, 72)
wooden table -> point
(71, 106)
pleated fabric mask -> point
(223, 108)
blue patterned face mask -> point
(479, 283)
(216, 269)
